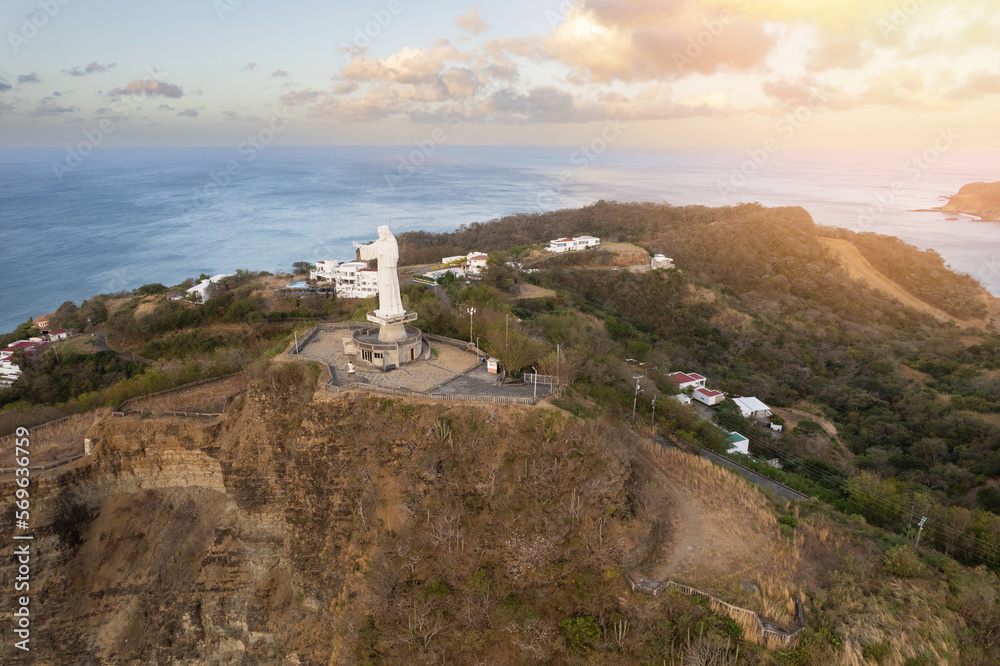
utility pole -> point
(652, 419)
(558, 379)
(535, 394)
(921, 526)
(635, 397)
(472, 311)
(296, 342)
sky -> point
(815, 74)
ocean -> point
(122, 218)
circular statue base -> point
(384, 355)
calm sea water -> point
(126, 217)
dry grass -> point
(740, 533)
(58, 442)
(208, 397)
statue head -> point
(383, 232)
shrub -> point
(903, 562)
(581, 632)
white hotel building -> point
(353, 279)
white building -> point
(738, 443)
(752, 408)
(683, 398)
(325, 270)
(355, 280)
(708, 396)
(475, 264)
(61, 334)
(200, 291)
(559, 245)
(441, 272)
(687, 379)
(660, 261)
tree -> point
(302, 267)
(506, 342)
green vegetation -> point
(762, 308)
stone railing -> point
(408, 393)
(123, 408)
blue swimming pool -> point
(298, 285)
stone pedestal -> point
(392, 328)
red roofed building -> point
(475, 264)
(42, 323)
(708, 396)
(687, 379)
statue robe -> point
(387, 253)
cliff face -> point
(306, 532)
(979, 199)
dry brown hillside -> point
(363, 530)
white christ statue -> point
(386, 251)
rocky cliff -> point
(294, 531)
(979, 199)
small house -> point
(559, 245)
(683, 398)
(708, 396)
(737, 443)
(199, 292)
(42, 323)
(475, 264)
(61, 334)
(752, 408)
(687, 379)
(660, 261)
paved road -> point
(756, 478)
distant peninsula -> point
(979, 199)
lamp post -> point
(535, 394)
(472, 311)
(652, 419)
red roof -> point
(478, 256)
(59, 332)
(27, 346)
(708, 393)
(684, 378)
(562, 240)
(44, 317)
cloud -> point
(92, 68)
(165, 107)
(29, 78)
(280, 73)
(471, 22)
(188, 113)
(49, 108)
(5, 108)
(345, 88)
(4, 86)
(249, 67)
(304, 96)
(235, 115)
(977, 85)
(150, 88)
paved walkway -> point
(452, 371)
(758, 479)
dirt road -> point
(860, 269)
